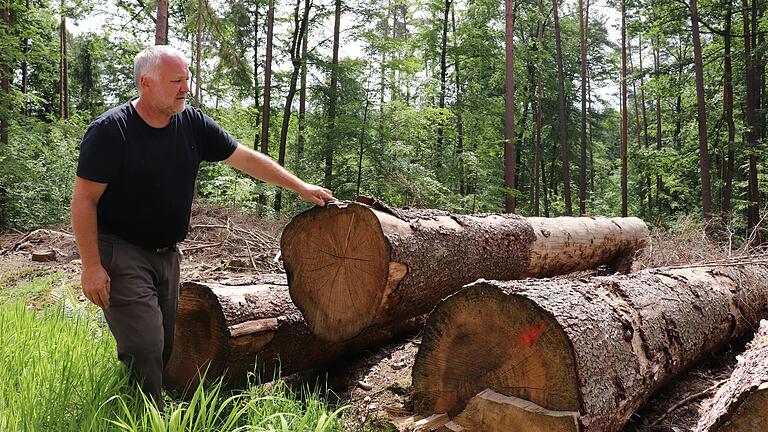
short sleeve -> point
(101, 153)
(218, 144)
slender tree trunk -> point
(5, 72)
(362, 145)
(510, 7)
(161, 23)
(256, 96)
(624, 117)
(646, 143)
(458, 109)
(327, 182)
(443, 85)
(198, 53)
(300, 26)
(24, 69)
(563, 113)
(657, 75)
(63, 66)
(635, 102)
(583, 160)
(728, 108)
(750, 114)
(267, 89)
(706, 199)
(303, 99)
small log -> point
(599, 347)
(353, 266)
(46, 255)
(741, 403)
(230, 331)
(493, 412)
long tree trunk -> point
(657, 76)
(646, 139)
(333, 100)
(538, 170)
(706, 200)
(563, 113)
(231, 331)
(408, 258)
(459, 108)
(256, 96)
(741, 403)
(198, 53)
(362, 145)
(753, 194)
(599, 346)
(583, 160)
(161, 23)
(510, 7)
(443, 85)
(300, 27)
(5, 77)
(728, 109)
(25, 69)
(267, 90)
(303, 100)
(624, 116)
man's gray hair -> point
(147, 60)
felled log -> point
(599, 346)
(490, 411)
(353, 266)
(229, 331)
(741, 403)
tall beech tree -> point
(624, 116)
(334, 97)
(701, 118)
(510, 7)
(563, 112)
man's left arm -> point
(260, 166)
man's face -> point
(168, 87)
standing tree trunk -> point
(753, 194)
(198, 53)
(303, 99)
(362, 145)
(599, 347)
(256, 97)
(63, 66)
(624, 117)
(25, 69)
(728, 108)
(300, 26)
(5, 74)
(563, 113)
(267, 90)
(459, 108)
(657, 76)
(583, 160)
(161, 23)
(377, 265)
(538, 169)
(510, 7)
(706, 199)
(331, 145)
(443, 85)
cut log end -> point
(526, 355)
(337, 261)
(490, 411)
(200, 345)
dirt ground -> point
(224, 245)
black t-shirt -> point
(150, 172)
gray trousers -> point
(143, 295)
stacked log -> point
(353, 266)
(599, 347)
(741, 403)
(229, 331)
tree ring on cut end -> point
(337, 262)
(483, 338)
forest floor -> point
(224, 244)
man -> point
(132, 201)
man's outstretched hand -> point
(96, 283)
(315, 194)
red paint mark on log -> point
(531, 335)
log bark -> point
(230, 331)
(600, 346)
(353, 266)
(741, 404)
(490, 411)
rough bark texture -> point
(600, 346)
(490, 411)
(741, 404)
(233, 330)
(352, 266)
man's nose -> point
(185, 87)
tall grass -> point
(59, 372)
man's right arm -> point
(94, 279)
